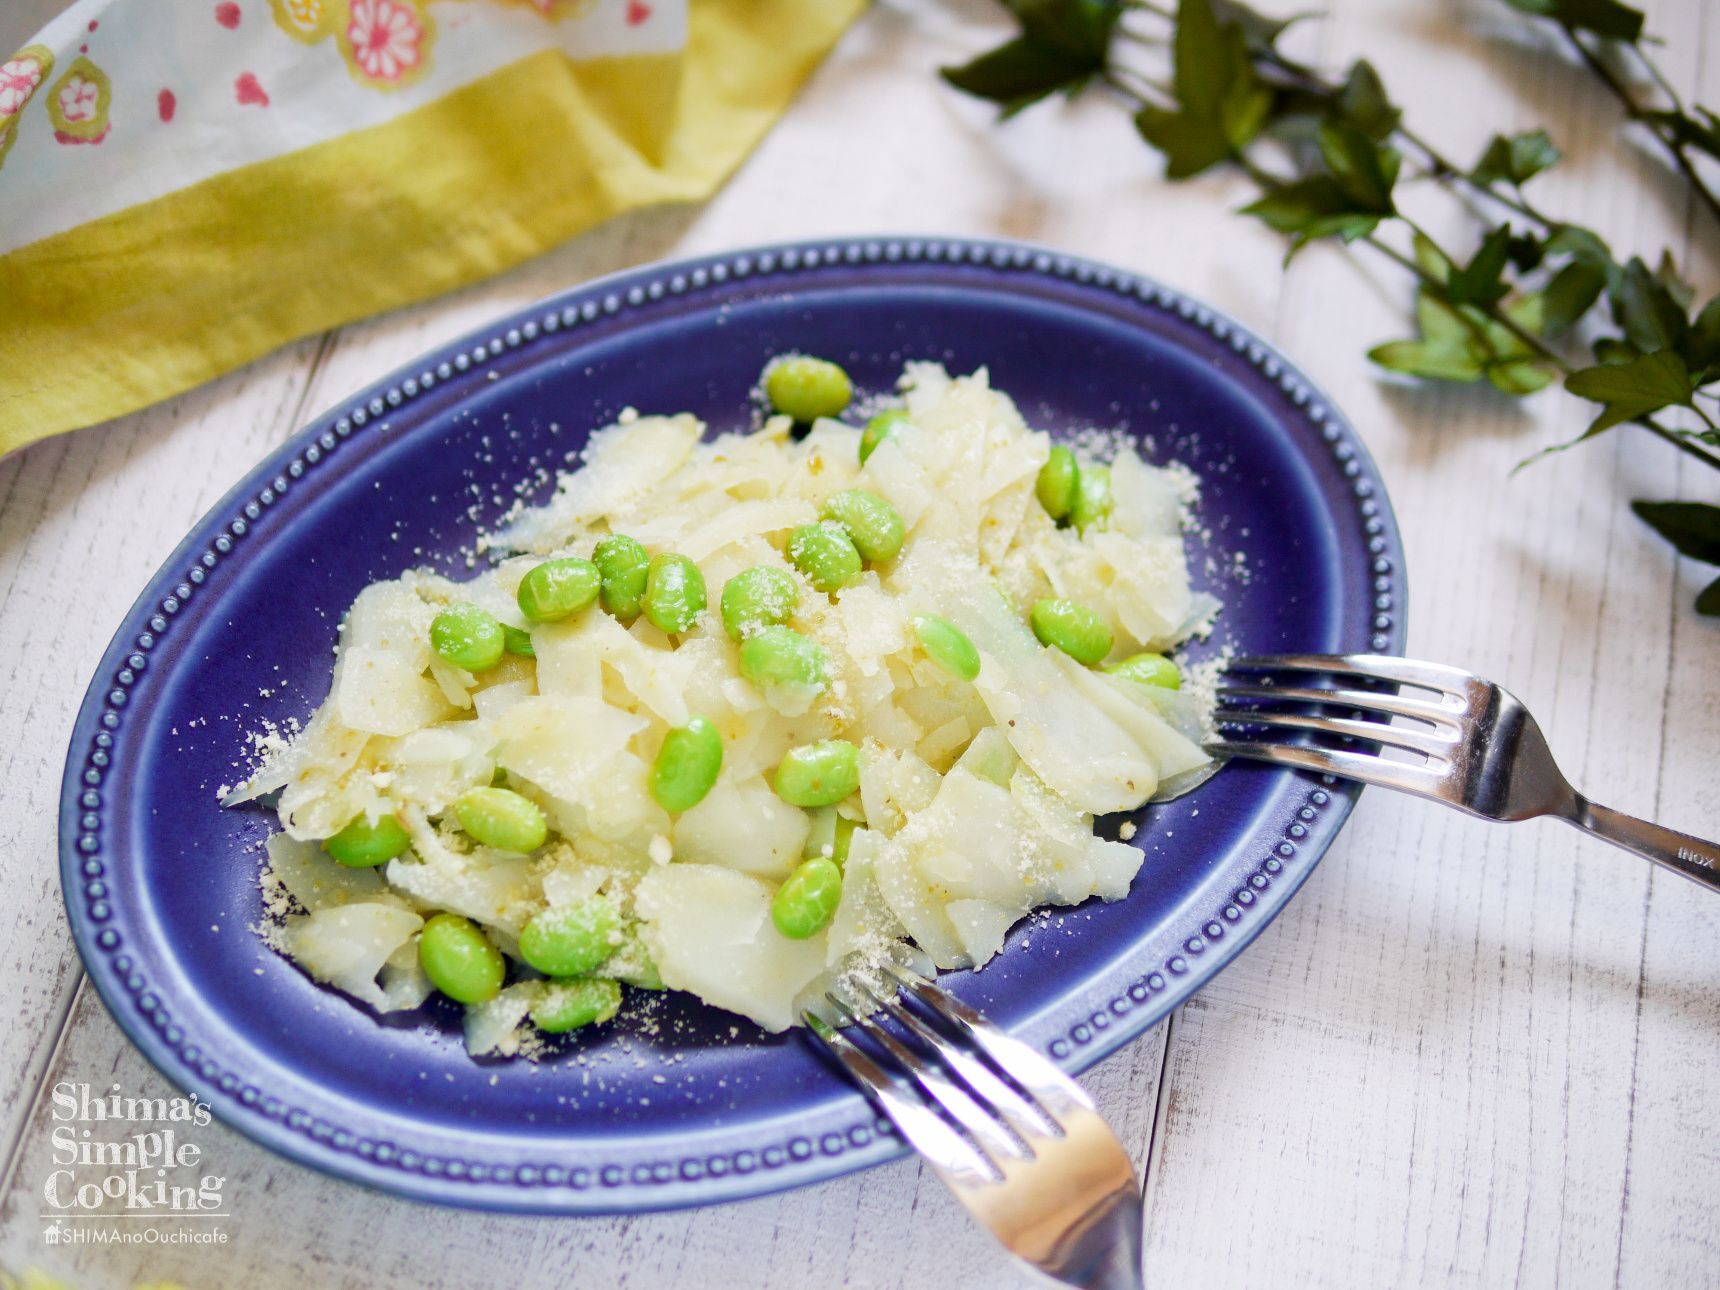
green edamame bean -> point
(1058, 480)
(1073, 628)
(947, 646)
(687, 765)
(871, 523)
(568, 1005)
(459, 959)
(467, 637)
(807, 388)
(621, 568)
(500, 817)
(782, 656)
(674, 593)
(1148, 669)
(1092, 505)
(556, 588)
(518, 641)
(761, 596)
(819, 774)
(364, 845)
(878, 429)
(806, 902)
(570, 940)
(824, 553)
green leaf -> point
(1190, 143)
(1221, 104)
(1015, 75)
(1426, 358)
(1430, 259)
(1666, 273)
(1614, 352)
(1581, 244)
(1702, 346)
(1200, 59)
(1363, 169)
(1463, 344)
(1063, 44)
(1441, 324)
(1631, 390)
(1528, 312)
(1516, 159)
(1692, 527)
(1525, 251)
(1312, 208)
(1363, 103)
(1571, 293)
(1479, 282)
(1603, 17)
(1246, 103)
(1652, 319)
(1520, 376)
(1080, 30)
(1708, 600)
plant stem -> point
(1491, 310)
(1444, 167)
(1497, 315)
(1635, 112)
(1116, 83)
(1679, 442)
(1440, 165)
(1139, 81)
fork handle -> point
(1692, 857)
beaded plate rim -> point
(1207, 943)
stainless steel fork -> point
(1481, 750)
(1018, 1142)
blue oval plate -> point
(691, 1105)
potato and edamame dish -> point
(738, 717)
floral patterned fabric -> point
(188, 184)
(121, 101)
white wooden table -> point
(1467, 1055)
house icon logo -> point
(55, 1234)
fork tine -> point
(994, 1140)
(1365, 767)
(949, 1152)
(1395, 705)
(1380, 667)
(1421, 741)
(1051, 1090)
(1024, 1117)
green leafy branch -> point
(1585, 22)
(1328, 156)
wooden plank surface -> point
(1467, 1055)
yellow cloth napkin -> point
(184, 187)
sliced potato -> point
(709, 931)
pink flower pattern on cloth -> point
(78, 103)
(20, 77)
(386, 38)
(77, 99)
(18, 81)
